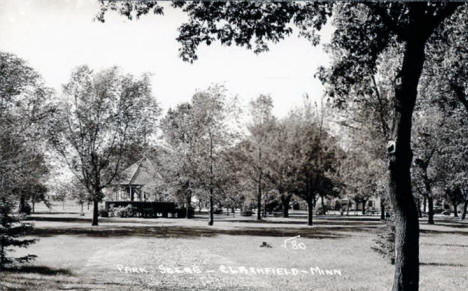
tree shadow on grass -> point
(317, 222)
(446, 245)
(451, 224)
(441, 264)
(42, 270)
(186, 232)
(433, 231)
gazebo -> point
(138, 182)
(138, 186)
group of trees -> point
(364, 32)
(95, 126)
(208, 154)
(24, 110)
(389, 61)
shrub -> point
(103, 212)
(25, 209)
(127, 211)
(130, 210)
(322, 210)
(385, 241)
(11, 231)
(247, 213)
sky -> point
(54, 36)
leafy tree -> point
(312, 157)
(451, 161)
(102, 115)
(426, 145)
(23, 116)
(261, 124)
(178, 132)
(198, 134)
(279, 164)
(363, 32)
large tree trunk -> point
(364, 207)
(95, 212)
(406, 275)
(430, 208)
(465, 206)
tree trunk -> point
(406, 275)
(364, 207)
(465, 206)
(419, 207)
(95, 212)
(259, 202)
(455, 209)
(189, 202)
(22, 204)
(382, 209)
(285, 202)
(424, 204)
(259, 194)
(323, 205)
(33, 203)
(2, 254)
(430, 206)
(310, 208)
(211, 221)
(82, 212)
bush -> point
(385, 241)
(322, 210)
(25, 209)
(103, 212)
(127, 211)
(247, 213)
(182, 212)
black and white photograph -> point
(234, 145)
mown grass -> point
(73, 255)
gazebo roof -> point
(142, 172)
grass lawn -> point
(180, 254)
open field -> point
(181, 254)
